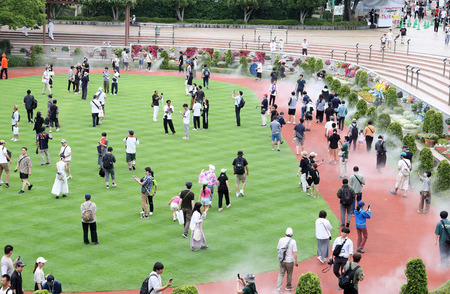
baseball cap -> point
(289, 232)
(405, 147)
(223, 170)
(63, 141)
(240, 152)
(20, 263)
(50, 280)
(361, 203)
(313, 154)
(304, 153)
(354, 120)
(100, 89)
(131, 132)
(403, 154)
(249, 278)
(41, 260)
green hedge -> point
(16, 61)
(443, 177)
(410, 141)
(416, 278)
(442, 289)
(308, 283)
(383, 121)
(395, 129)
(426, 160)
(187, 289)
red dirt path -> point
(396, 232)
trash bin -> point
(157, 31)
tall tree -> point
(23, 13)
(248, 6)
(179, 6)
(117, 6)
(350, 10)
(303, 7)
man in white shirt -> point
(51, 27)
(273, 46)
(126, 65)
(46, 80)
(95, 110)
(259, 71)
(186, 119)
(197, 108)
(305, 47)
(5, 161)
(102, 99)
(7, 265)
(154, 281)
(237, 106)
(132, 142)
(168, 111)
(67, 152)
(329, 126)
(290, 259)
(346, 252)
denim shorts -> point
(276, 136)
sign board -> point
(339, 10)
(389, 17)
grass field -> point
(242, 238)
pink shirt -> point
(206, 193)
(176, 199)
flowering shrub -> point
(297, 62)
(172, 49)
(153, 50)
(210, 51)
(327, 62)
(260, 56)
(135, 50)
(338, 64)
(373, 79)
(290, 58)
(190, 51)
(345, 65)
(381, 86)
(53, 49)
(444, 150)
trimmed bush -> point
(427, 120)
(336, 85)
(442, 182)
(442, 289)
(361, 106)
(41, 292)
(187, 289)
(319, 65)
(383, 121)
(395, 129)
(328, 80)
(357, 115)
(308, 283)
(216, 57)
(416, 277)
(398, 110)
(425, 159)
(244, 63)
(363, 78)
(372, 114)
(437, 123)
(312, 62)
(344, 91)
(228, 57)
(365, 89)
(410, 141)
(276, 62)
(165, 56)
(15, 61)
(5, 47)
(36, 56)
(357, 75)
(352, 99)
(391, 96)
(307, 69)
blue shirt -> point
(300, 129)
(56, 289)
(360, 218)
(301, 84)
(335, 102)
(265, 104)
(42, 138)
(342, 110)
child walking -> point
(174, 206)
(425, 194)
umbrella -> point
(253, 69)
(282, 61)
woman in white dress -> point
(404, 171)
(60, 186)
(196, 222)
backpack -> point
(274, 75)
(107, 161)
(87, 215)
(354, 131)
(282, 251)
(447, 239)
(239, 167)
(144, 288)
(9, 154)
(346, 197)
(206, 74)
(346, 279)
(242, 103)
(34, 104)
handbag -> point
(197, 234)
(37, 150)
(101, 113)
(101, 172)
(99, 149)
(341, 153)
(60, 176)
(180, 217)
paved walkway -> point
(396, 232)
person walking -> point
(240, 165)
(46, 80)
(304, 169)
(345, 253)
(323, 236)
(155, 104)
(96, 107)
(180, 62)
(115, 81)
(404, 170)
(187, 206)
(154, 279)
(369, 132)
(16, 278)
(292, 107)
(30, 104)
(167, 120)
(347, 196)
(358, 276)
(186, 120)
(84, 85)
(53, 114)
(442, 233)
(197, 236)
(39, 277)
(131, 143)
(206, 74)
(264, 107)
(60, 186)
(425, 193)
(353, 132)
(205, 114)
(24, 166)
(38, 122)
(108, 161)
(333, 143)
(4, 66)
(237, 106)
(66, 151)
(89, 220)
(223, 189)
(102, 148)
(42, 143)
(5, 161)
(273, 90)
(299, 135)
(341, 113)
(380, 148)
(275, 127)
(357, 182)
(289, 259)
(344, 158)
(361, 216)
(205, 198)
(320, 108)
(146, 187)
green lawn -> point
(242, 238)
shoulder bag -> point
(197, 233)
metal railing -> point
(414, 70)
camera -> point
(331, 261)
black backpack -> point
(34, 104)
(239, 167)
(346, 279)
(107, 161)
(354, 133)
(144, 288)
(346, 197)
(242, 103)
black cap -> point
(240, 152)
(50, 279)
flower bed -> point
(444, 150)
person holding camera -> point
(248, 281)
(67, 152)
(24, 166)
(155, 104)
(154, 281)
(361, 216)
(264, 107)
(146, 188)
(168, 111)
(342, 250)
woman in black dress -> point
(205, 113)
(38, 122)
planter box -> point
(429, 143)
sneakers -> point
(290, 288)
(321, 259)
(144, 216)
(237, 194)
(229, 205)
(360, 250)
(129, 168)
(6, 185)
(21, 191)
(220, 209)
(393, 192)
(309, 194)
(64, 195)
(242, 193)
(134, 167)
(114, 185)
(184, 235)
(107, 186)
(150, 213)
(29, 187)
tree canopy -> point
(28, 13)
(248, 6)
(303, 6)
(117, 6)
(179, 6)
